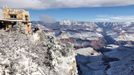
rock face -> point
(89, 62)
(117, 61)
(35, 54)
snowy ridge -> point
(20, 55)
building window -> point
(26, 18)
(13, 16)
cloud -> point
(45, 4)
(115, 18)
(21, 3)
(47, 19)
(85, 3)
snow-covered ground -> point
(87, 51)
(35, 54)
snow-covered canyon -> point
(119, 61)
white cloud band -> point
(44, 4)
(115, 18)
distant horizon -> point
(89, 21)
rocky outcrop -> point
(35, 54)
(89, 62)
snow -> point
(126, 37)
(112, 46)
(64, 35)
(35, 54)
(87, 51)
(87, 35)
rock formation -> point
(35, 54)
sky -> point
(77, 10)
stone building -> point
(13, 17)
